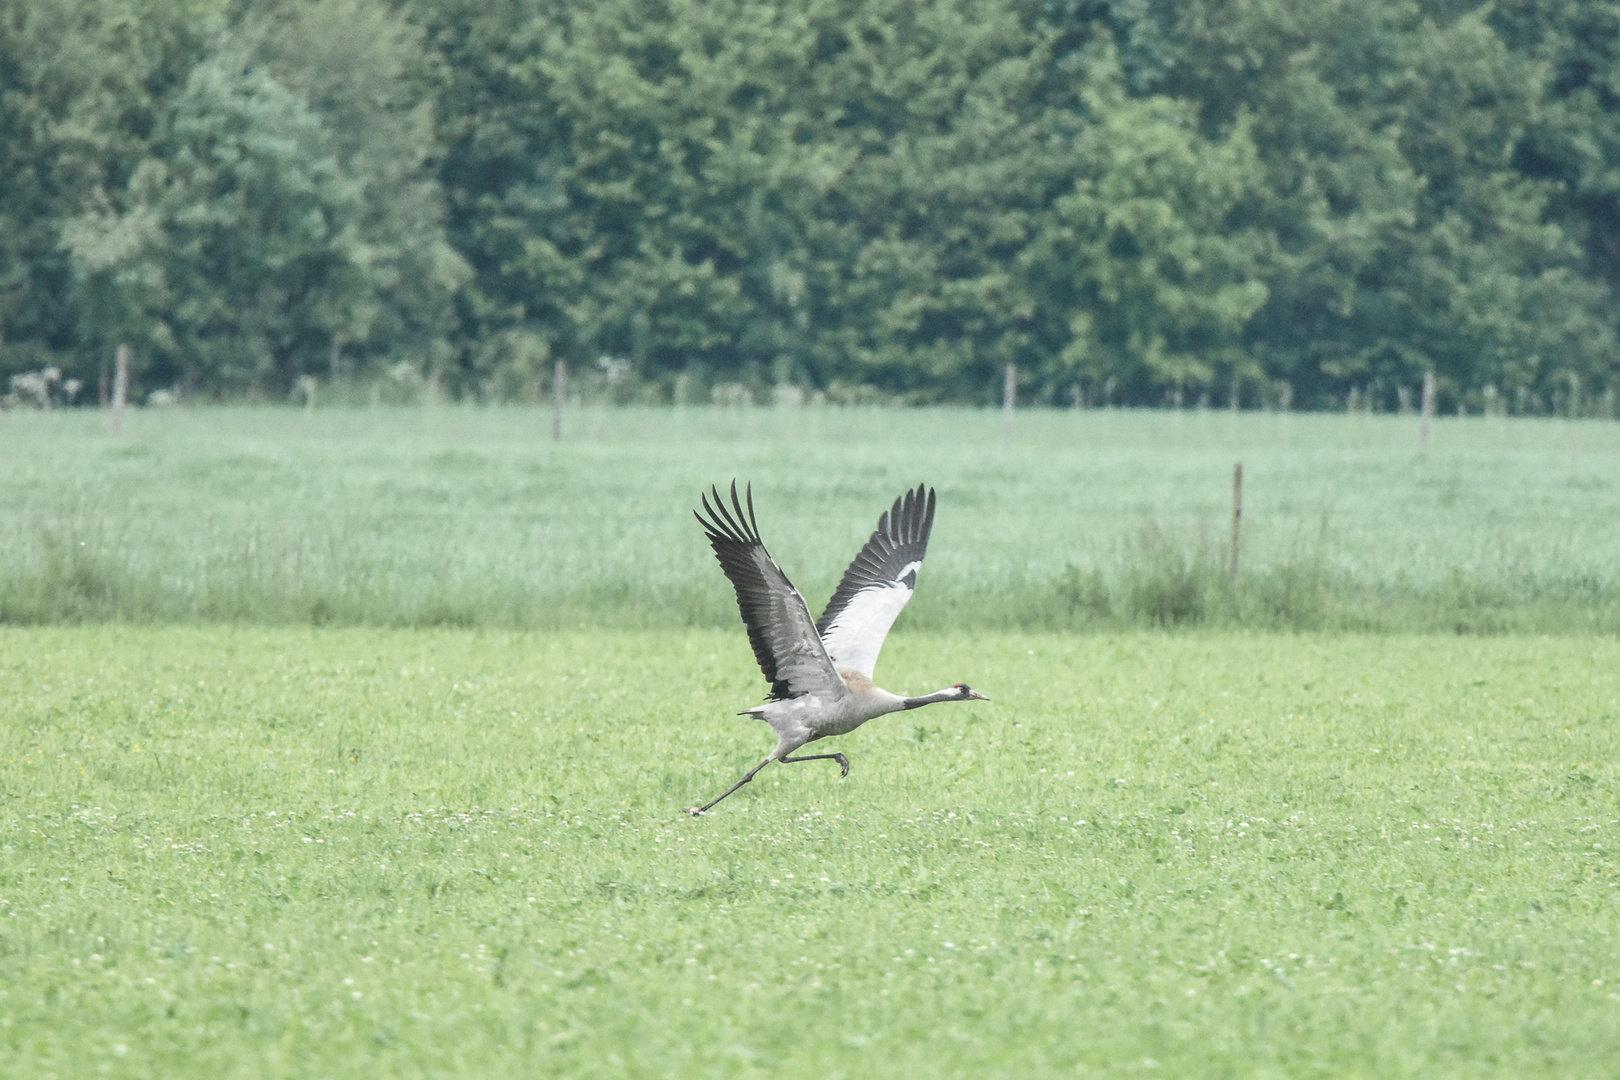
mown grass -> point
(1100, 519)
(245, 852)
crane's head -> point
(964, 692)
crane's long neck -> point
(948, 694)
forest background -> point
(1246, 203)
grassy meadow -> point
(355, 743)
(1084, 520)
(347, 852)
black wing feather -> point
(778, 622)
(901, 539)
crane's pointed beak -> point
(974, 695)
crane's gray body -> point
(808, 717)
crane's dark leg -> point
(843, 762)
(696, 810)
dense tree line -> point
(1302, 203)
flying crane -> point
(821, 671)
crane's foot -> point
(695, 811)
(843, 762)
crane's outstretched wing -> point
(784, 638)
(878, 583)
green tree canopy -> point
(1130, 200)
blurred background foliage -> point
(1271, 203)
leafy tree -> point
(1178, 200)
(1572, 144)
(359, 67)
(238, 248)
(502, 147)
(1406, 239)
(83, 85)
(953, 162)
(1142, 258)
(830, 191)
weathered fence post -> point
(1009, 398)
(120, 388)
(1237, 516)
(559, 398)
(1428, 407)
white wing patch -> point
(856, 636)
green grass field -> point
(355, 743)
(1086, 520)
(359, 852)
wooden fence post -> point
(1428, 407)
(120, 388)
(559, 398)
(1009, 398)
(1237, 516)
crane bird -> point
(821, 672)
